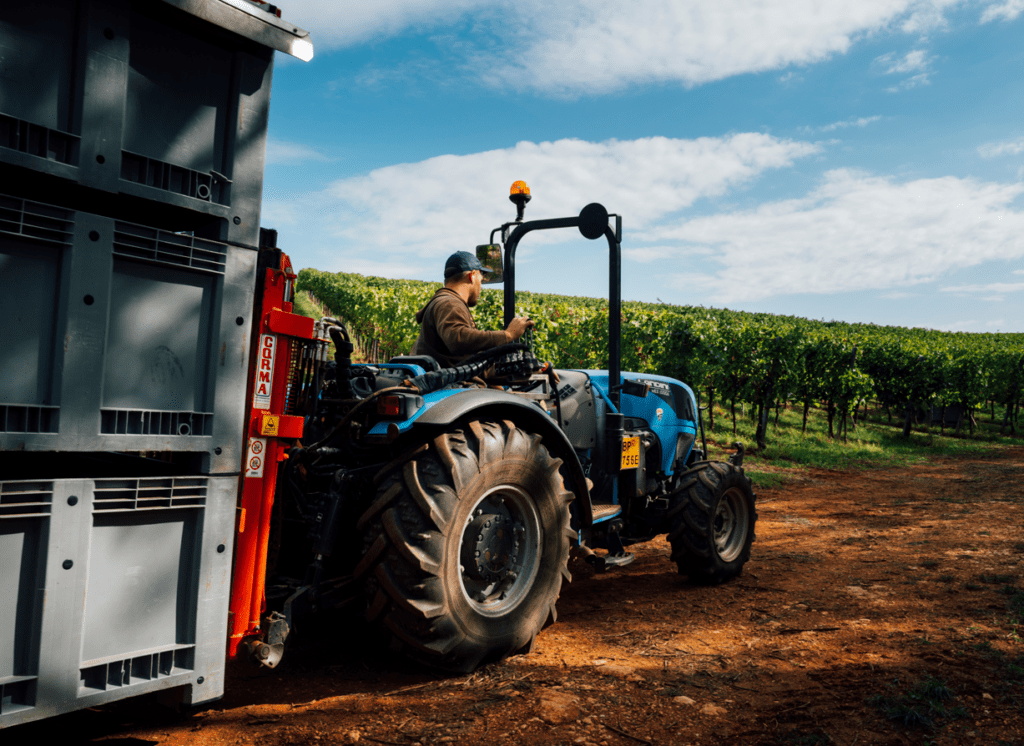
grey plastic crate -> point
(142, 99)
(121, 337)
(136, 576)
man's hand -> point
(518, 326)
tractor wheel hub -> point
(491, 547)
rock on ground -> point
(557, 708)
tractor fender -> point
(494, 404)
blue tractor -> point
(455, 506)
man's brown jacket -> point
(448, 333)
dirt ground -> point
(878, 607)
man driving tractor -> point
(447, 330)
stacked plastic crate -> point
(132, 140)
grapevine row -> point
(729, 357)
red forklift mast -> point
(278, 341)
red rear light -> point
(400, 406)
(389, 406)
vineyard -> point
(731, 359)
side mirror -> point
(489, 255)
(635, 388)
(593, 220)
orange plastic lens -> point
(389, 406)
(520, 187)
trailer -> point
(145, 348)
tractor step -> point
(618, 560)
(604, 511)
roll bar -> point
(592, 223)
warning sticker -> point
(269, 424)
(255, 457)
(264, 372)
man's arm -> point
(456, 329)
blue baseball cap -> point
(462, 261)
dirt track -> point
(862, 588)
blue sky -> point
(854, 161)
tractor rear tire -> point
(466, 545)
(712, 523)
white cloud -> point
(898, 295)
(427, 209)
(854, 232)
(590, 46)
(911, 82)
(1006, 11)
(281, 152)
(859, 122)
(911, 61)
(340, 23)
(607, 44)
(995, 149)
(925, 16)
(958, 326)
(997, 288)
(647, 254)
(916, 60)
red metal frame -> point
(269, 430)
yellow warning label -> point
(269, 424)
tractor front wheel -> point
(712, 522)
(466, 546)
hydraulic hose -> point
(474, 365)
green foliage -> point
(734, 357)
(926, 704)
(1016, 607)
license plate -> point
(631, 452)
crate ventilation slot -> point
(137, 670)
(17, 693)
(145, 422)
(28, 418)
(143, 494)
(174, 249)
(20, 217)
(170, 178)
(41, 142)
(25, 499)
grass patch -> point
(873, 444)
(766, 479)
(1016, 607)
(302, 305)
(1015, 668)
(995, 579)
(927, 704)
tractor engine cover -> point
(579, 418)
